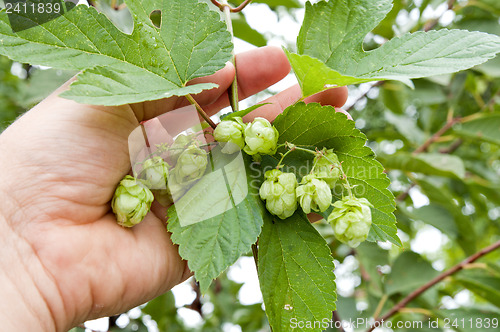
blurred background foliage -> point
(440, 144)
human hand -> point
(65, 260)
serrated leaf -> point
(296, 274)
(427, 163)
(333, 33)
(219, 218)
(484, 128)
(118, 68)
(319, 126)
(315, 76)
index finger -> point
(257, 70)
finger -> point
(257, 70)
(333, 97)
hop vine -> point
(350, 219)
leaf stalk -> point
(293, 147)
(201, 111)
(233, 90)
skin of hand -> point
(64, 259)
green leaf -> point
(118, 68)
(242, 113)
(385, 28)
(245, 32)
(42, 83)
(427, 163)
(296, 274)
(163, 311)
(406, 126)
(409, 271)
(439, 217)
(371, 256)
(219, 218)
(485, 128)
(314, 76)
(481, 282)
(120, 17)
(441, 197)
(333, 33)
(320, 126)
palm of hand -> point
(73, 160)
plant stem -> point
(401, 304)
(231, 9)
(201, 111)
(283, 157)
(337, 318)
(233, 90)
(401, 197)
(450, 123)
(380, 306)
(344, 176)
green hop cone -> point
(313, 194)
(261, 137)
(191, 165)
(155, 173)
(131, 202)
(325, 170)
(278, 190)
(179, 145)
(351, 220)
(230, 134)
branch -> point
(196, 304)
(452, 148)
(240, 7)
(221, 6)
(434, 281)
(401, 197)
(336, 319)
(450, 123)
